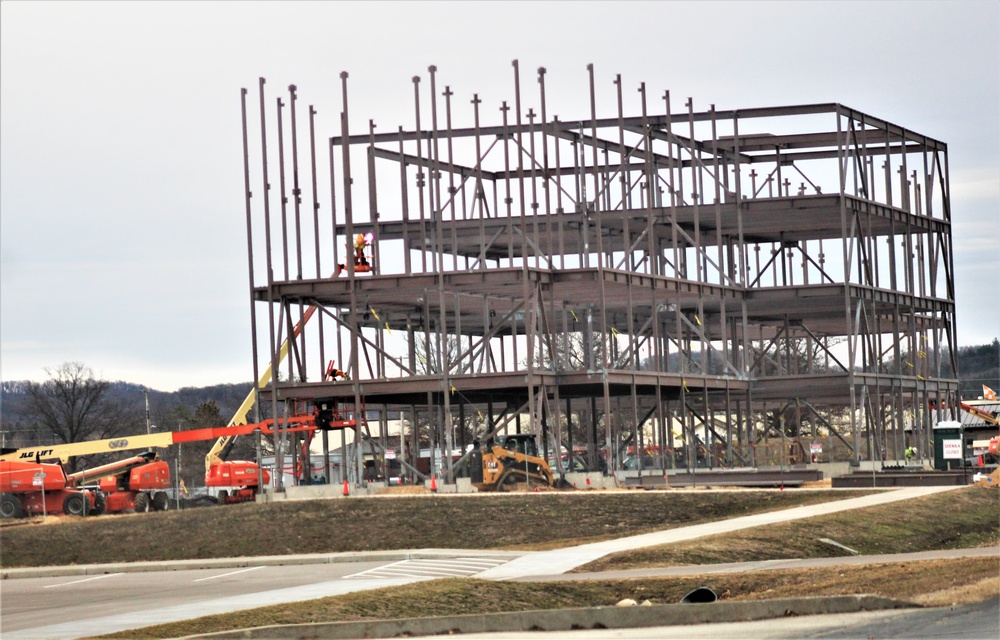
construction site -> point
(657, 288)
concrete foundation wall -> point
(572, 619)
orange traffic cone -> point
(347, 488)
(434, 484)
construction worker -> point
(332, 372)
(361, 263)
(362, 242)
(359, 250)
(910, 453)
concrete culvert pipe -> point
(701, 595)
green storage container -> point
(949, 447)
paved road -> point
(83, 605)
(96, 604)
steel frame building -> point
(669, 280)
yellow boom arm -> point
(223, 444)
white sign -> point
(390, 454)
(951, 449)
(816, 448)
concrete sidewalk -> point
(563, 560)
(770, 565)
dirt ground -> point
(991, 481)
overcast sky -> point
(122, 238)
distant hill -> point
(977, 366)
(162, 404)
(177, 410)
(166, 406)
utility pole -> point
(145, 393)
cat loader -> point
(514, 458)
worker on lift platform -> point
(332, 372)
(361, 261)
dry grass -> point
(965, 580)
(818, 484)
(968, 517)
(407, 490)
(979, 591)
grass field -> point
(509, 521)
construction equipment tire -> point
(161, 501)
(76, 504)
(99, 504)
(223, 496)
(142, 503)
(504, 480)
(11, 507)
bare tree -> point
(430, 355)
(74, 406)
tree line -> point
(73, 405)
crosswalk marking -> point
(430, 568)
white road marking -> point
(231, 573)
(443, 568)
(64, 584)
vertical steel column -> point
(546, 176)
(347, 256)
(421, 183)
(851, 348)
(405, 207)
(537, 243)
(508, 200)
(434, 193)
(623, 180)
(316, 247)
(273, 349)
(355, 370)
(253, 309)
(652, 252)
(284, 197)
(284, 230)
(560, 210)
(480, 196)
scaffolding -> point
(690, 287)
